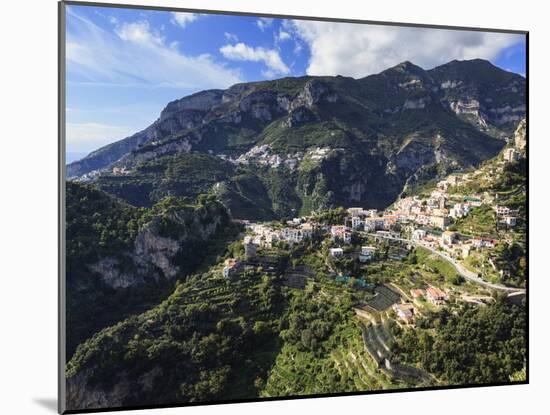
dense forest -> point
(475, 346)
(207, 341)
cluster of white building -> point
(265, 236)
(407, 311)
(120, 171)
(420, 215)
(369, 220)
(427, 212)
(456, 246)
(459, 210)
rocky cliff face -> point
(120, 258)
(520, 135)
(162, 253)
(482, 94)
(80, 394)
(184, 114)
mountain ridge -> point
(135, 139)
(402, 124)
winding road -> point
(467, 274)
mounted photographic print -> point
(260, 207)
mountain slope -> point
(327, 141)
(122, 260)
(209, 340)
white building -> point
(448, 238)
(483, 243)
(368, 251)
(511, 154)
(231, 267)
(369, 225)
(356, 223)
(371, 213)
(418, 234)
(459, 210)
(336, 252)
(404, 311)
(423, 219)
(270, 238)
(510, 220)
(502, 210)
(340, 232)
(473, 201)
(296, 235)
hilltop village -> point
(447, 230)
(457, 243)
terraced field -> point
(377, 341)
(346, 368)
(384, 298)
(357, 356)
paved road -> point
(467, 274)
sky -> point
(124, 65)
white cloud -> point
(270, 57)
(283, 36)
(358, 50)
(139, 32)
(135, 54)
(231, 37)
(86, 137)
(183, 19)
(264, 22)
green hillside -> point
(101, 229)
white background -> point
(28, 231)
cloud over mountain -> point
(243, 52)
(358, 50)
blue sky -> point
(125, 65)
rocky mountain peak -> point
(407, 66)
(200, 101)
